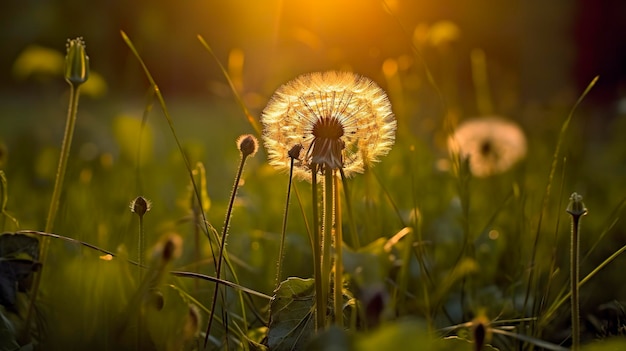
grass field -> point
(441, 251)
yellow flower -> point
(492, 144)
(340, 119)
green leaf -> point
(614, 344)
(8, 335)
(291, 315)
(14, 245)
(18, 255)
(402, 335)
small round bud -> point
(140, 206)
(192, 325)
(576, 206)
(172, 247)
(155, 299)
(294, 152)
(481, 331)
(247, 144)
(76, 62)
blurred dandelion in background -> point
(341, 119)
(492, 144)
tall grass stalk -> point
(207, 228)
(533, 271)
(253, 122)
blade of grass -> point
(546, 197)
(170, 122)
(253, 122)
(134, 263)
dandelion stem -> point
(220, 255)
(327, 230)
(353, 233)
(320, 303)
(338, 298)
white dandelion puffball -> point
(337, 119)
(492, 144)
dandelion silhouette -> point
(328, 122)
(492, 144)
(341, 119)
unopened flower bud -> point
(576, 206)
(76, 62)
(294, 152)
(192, 324)
(247, 144)
(172, 247)
(140, 206)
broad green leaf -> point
(291, 315)
(16, 245)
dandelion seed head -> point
(340, 119)
(491, 144)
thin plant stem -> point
(576, 209)
(338, 298)
(353, 233)
(56, 194)
(65, 153)
(306, 221)
(327, 230)
(220, 255)
(575, 274)
(533, 271)
(4, 197)
(284, 229)
(141, 247)
(320, 303)
(253, 122)
(140, 251)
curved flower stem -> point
(56, 194)
(284, 229)
(575, 273)
(218, 269)
(327, 230)
(320, 303)
(576, 209)
(346, 190)
(338, 298)
(140, 248)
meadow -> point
(430, 214)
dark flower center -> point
(327, 146)
(486, 147)
(327, 128)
